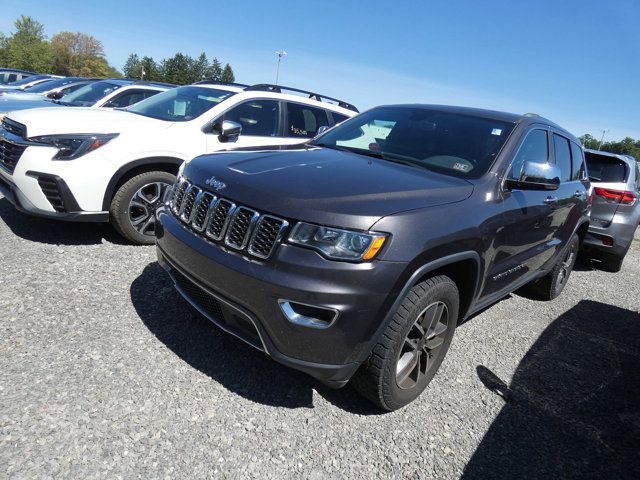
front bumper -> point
(248, 292)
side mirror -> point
(228, 129)
(55, 95)
(321, 130)
(536, 176)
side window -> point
(535, 148)
(563, 157)
(304, 121)
(638, 176)
(129, 98)
(257, 117)
(12, 77)
(338, 118)
(577, 162)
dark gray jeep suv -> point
(353, 257)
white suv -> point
(98, 165)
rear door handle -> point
(551, 200)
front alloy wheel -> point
(133, 208)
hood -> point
(325, 186)
(11, 96)
(61, 119)
(12, 103)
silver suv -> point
(615, 212)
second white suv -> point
(87, 164)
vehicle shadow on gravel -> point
(43, 230)
(226, 359)
(572, 409)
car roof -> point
(16, 70)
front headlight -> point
(73, 146)
(336, 243)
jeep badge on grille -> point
(216, 184)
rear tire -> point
(412, 346)
(133, 207)
(552, 284)
(611, 262)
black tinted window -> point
(257, 117)
(577, 162)
(338, 117)
(129, 98)
(304, 121)
(563, 157)
(535, 148)
(603, 168)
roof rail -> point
(218, 82)
(153, 83)
(268, 87)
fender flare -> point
(127, 167)
(412, 281)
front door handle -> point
(580, 194)
(551, 200)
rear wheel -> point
(134, 205)
(552, 284)
(412, 346)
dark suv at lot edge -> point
(353, 257)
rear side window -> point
(638, 176)
(603, 168)
(304, 121)
(129, 98)
(338, 118)
(577, 162)
(257, 117)
(535, 148)
(563, 157)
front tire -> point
(134, 205)
(412, 346)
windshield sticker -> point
(496, 131)
(461, 166)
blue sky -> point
(574, 61)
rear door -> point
(609, 176)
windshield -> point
(27, 80)
(89, 94)
(51, 84)
(180, 104)
(451, 143)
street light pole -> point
(280, 55)
(602, 138)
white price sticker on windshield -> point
(496, 131)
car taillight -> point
(617, 196)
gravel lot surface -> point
(106, 373)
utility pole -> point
(280, 55)
(142, 74)
(602, 138)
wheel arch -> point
(131, 169)
(464, 268)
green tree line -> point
(179, 69)
(66, 53)
(80, 54)
(627, 146)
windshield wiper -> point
(361, 151)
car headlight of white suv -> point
(73, 146)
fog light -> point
(308, 315)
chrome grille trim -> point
(258, 230)
(239, 230)
(218, 219)
(202, 210)
(188, 202)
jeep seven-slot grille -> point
(242, 228)
(10, 153)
